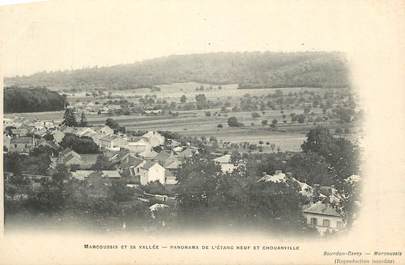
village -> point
(140, 169)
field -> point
(43, 116)
(286, 136)
(175, 91)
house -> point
(22, 144)
(113, 142)
(66, 152)
(88, 161)
(170, 178)
(169, 161)
(49, 125)
(279, 177)
(39, 126)
(69, 157)
(162, 157)
(135, 166)
(97, 136)
(40, 133)
(7, 122)
(152, 171)
(225, 162)
(130, 162)
(323, 217)
(86, 174)
(187, 153)
(6, 141)
(81, 174)
(19, 132)
(58, 136)
(139, 145)
(111, 174)
(153, 111)
(106, 130)
(154, 138)
(118, 157)
(148, 154)
(173, 144)
(85, 131)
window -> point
(314, 221)
(326, 222)
(339, 225)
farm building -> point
(323, 217)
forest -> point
(247, 69)
(36, 99)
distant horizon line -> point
(49, 71)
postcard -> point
(203, 132)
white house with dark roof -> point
(323, 217)
(152, 171)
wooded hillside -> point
(249, 69)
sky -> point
(64, 35)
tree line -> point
(34, 99)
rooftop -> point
(223, 159)
(149, 164)
(22, 140)
(322, 209)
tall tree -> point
(83, 120)
(112, 124)
(69, 118)
(340, 153)
(196, 184)
(201, 101)
(311, 168)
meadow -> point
(288, 136)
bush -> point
(255, 115)
(233, 122)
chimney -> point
(278, 172)
(316, 192)
(332, 192)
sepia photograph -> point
(161, 119)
